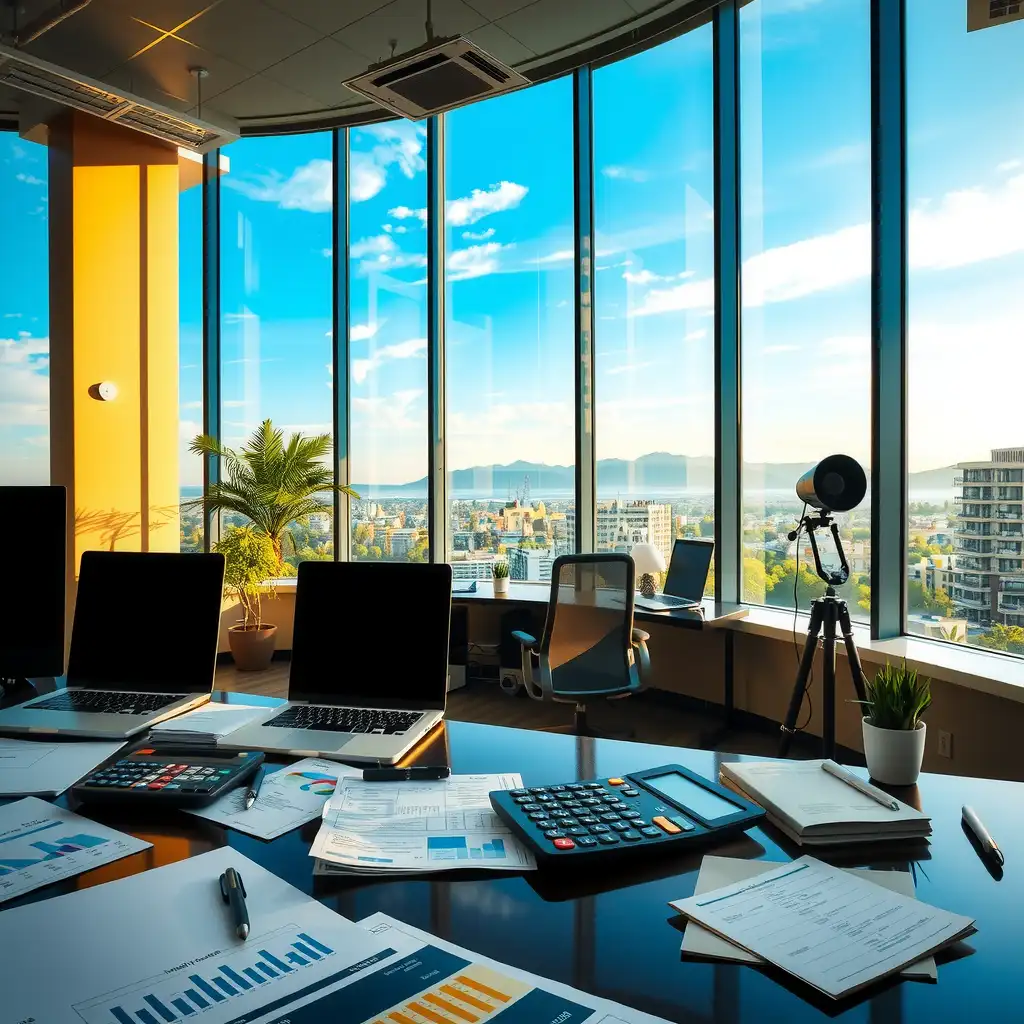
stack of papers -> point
(33, 768)
(414, 827)
(815, 808)
(830, 928)
(207, 725)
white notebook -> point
(207, 724)
(815, 808)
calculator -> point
(169, 777)
(637, 815)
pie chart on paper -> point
(312, 782)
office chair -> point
(589, 648)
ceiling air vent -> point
(59, 85)
(986, 13)
(434, 78)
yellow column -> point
(114, 320)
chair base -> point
(581, 727)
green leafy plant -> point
(500, 570)
(897, 697)
(272, 482)
(249, 562)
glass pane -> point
(965, 163)
(805, 94)
(510, 329)
(190, 359)
(24, 314)
(388, 332)
(654, 297)
(276, 302)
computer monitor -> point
(148, 622)
(688, 569)
(371, 633)
(33, 523)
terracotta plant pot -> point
(252, 649)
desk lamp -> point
(649, 561)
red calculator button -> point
(616, 782)
(156, 785)
(564, 844)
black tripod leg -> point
(828, 682)
(856, 670)
(803, 674)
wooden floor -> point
(645, 717)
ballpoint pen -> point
(985, 841)
(254, 789)
(839, 772)
(232, 891)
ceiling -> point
(277, 65)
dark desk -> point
(619, 943)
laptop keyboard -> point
(333, 719)
(106, 703)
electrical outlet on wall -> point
(945, 744)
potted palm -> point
(893, 731)
(499, 571)
(249, 561)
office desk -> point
(612, 934)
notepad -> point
(209, 724)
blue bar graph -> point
(182, 1006)
(146, 1017)
(252, 973)
(206, 988)
(306, 951)
(225, 987)
(196, 998)
(120, 1016)
(296, 959)
(268, 971)
(310, 941)
(271, 959)
(160, 1008)
(236, 978)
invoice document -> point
(833, 930)
(33, 768)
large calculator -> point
(641, 814)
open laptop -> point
(143, 646)
(369, 669)
(686, 579)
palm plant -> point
(271, 482)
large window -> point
(388, 341)
(24, 314)
(805, 111)
(276, 299)
(654, 296)
(190, 360)
(510, 330)
(965, 156)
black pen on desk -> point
(254, 789)
(987, 843)
(424, 774)
(232, 890)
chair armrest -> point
(641, 656)
(639, 636)
(524, 638)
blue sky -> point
(805, 188)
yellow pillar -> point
(114, 320)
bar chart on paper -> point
(458, 848)
(263, 964)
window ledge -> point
(974, 669)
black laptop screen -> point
(146, 621)
(688, 570)
(371, 633)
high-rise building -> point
(988, 573)
(530, 564)
(621, 524)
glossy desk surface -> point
(612, 933)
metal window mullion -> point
(728, 306)
(583, 277)
(437, 477)
(211, 334)
(888, 318)
(340, 349)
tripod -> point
(826, 612)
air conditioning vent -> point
(434, 78)
(59, 85)
(987, 13)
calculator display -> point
(687, 793)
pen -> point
(254, 789)
(406, 774)
(862, 787)
(988, 844)
(232, 890)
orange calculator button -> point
(616, 782)
(666, 826)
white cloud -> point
(614, 371)
(407, 212)
(475, 261)
(842, 156)
(622, 173)
(645, 276)
(362, 332)
(362, 368)
(1009, 165)
(698, 335)
(24, 385)
(478, 236)
(234, 318)
(13, 316)
(558, 256)
(506, 195)
(365, 177)
(777, 350)
(536, 431)
(381, 252)
(372, 246)
(308, 187)
(29, 179)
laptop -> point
(686, 579)
(369, 669)
(143, 646)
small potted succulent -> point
(500, 573)
(893, 731)
(250, 561)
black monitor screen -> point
(147, 621)
(372, 634)
(35, 567)
(688, 570)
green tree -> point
(250, 560)
(359, 550)
(707, 526)
(1003, 638)
(755, 580)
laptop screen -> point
(688, 570)
(371, 634)
(146, 621)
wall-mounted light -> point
(105, 391)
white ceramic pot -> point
(501, 585)
(894, 756)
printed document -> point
(718, 871)
(30, 768)
(829, 928)
(41, 844)
(287, 799)
(207, 724)
(408, 826)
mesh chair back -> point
(587, 636)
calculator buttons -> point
(560, 812)
(610, 798)
(590, 802)
(538, 789)
(686, 826)
(667, 826)
(631, 836)
(554, 833)
(592, 785)
(537, 816)
(556, 789)
(157, 785)
(630, 814)
(575, 807)
(517, 792)
(616, 782)
(609, 839)
(574, 787)
(577, 830)
(565, 795)
(618, 806)
(586, 841)
(528, 808)
(588, 820)
(621, 826)
(564, 844)
(629, 792)
(651, 832)
(598, 830)
(610, 817)
(523, 799)
(544, 824)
